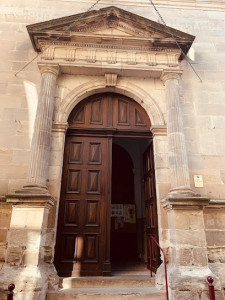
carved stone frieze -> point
(111, 54)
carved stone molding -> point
(48, 53)
(30, 200)
(160, 130)
(91, 53)
(185, 202)
(111, 79)
(217, 204)
(168, 75)
(60, 127)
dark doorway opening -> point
(128, 214)
(123, 230)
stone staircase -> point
(130, 287)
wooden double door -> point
(83, 234)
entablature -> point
(110, 56)
(111, 39)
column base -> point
(32, 282)
(33, 189)
(218, 269)
(31, 197)
(185, 200)
(182, 191)
(187, 257)
(187, 283)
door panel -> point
(150, 204)
(81, 234)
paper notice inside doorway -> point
(129, 213)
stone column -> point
(40, 147)
(178, 163)
(187, 246)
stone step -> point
(117, 281)
(108, 293)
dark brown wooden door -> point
(150, 204)
(112, 112)
(80, 248)
(83, 234)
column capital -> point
(168, 75)
(49, 68)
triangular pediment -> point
(110, 22)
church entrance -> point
(108, 204)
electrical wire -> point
(63, 32)
(173, 37)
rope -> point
(173, 37)
(55, 40)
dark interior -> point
(123, 232)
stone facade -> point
(187, 115)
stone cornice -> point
(127, 27)
(90, 45)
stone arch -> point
(123, 87)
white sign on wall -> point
(198, 181)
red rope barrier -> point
(164, 255)
(11, 287)
(211, 288)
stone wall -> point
(202, 102)
(5, 216)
